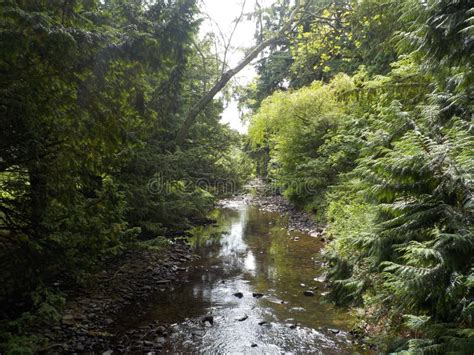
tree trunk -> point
(201, 104)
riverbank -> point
(90, 313)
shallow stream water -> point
(250, 251)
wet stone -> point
(68, 317)
(163, 281)
(79, 347)
(239, 294)
(160, 329)
(209, 319)
(308, 293)
(160, 340)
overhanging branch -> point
(203, 101)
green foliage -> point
(92, 94)
(45, 309)
(362, 115)
(390, 152)
(158, 244)
(304, 130)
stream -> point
(250, 253)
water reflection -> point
(250, 263)
(250, 251)
(233, 242)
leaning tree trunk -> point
(201, 104)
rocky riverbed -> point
(90, 314)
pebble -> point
(209, 319)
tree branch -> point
(227, 45)
(202, 103)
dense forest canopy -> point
(361, 113)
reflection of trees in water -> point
(251, 252)
(255, 245)
(258, 223)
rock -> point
(162, 281)
(239, 294)
(160, 340)
(160, 329)
(198, 333)
(108, 352)
(254, 345)
(79, 347)
(308, 293)
(335, 331)
(263, 322)
(302, 285)
(108, 321)
(257, 295)
(209, 319)
(245, 317)
(293, 326)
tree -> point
(253, 53)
